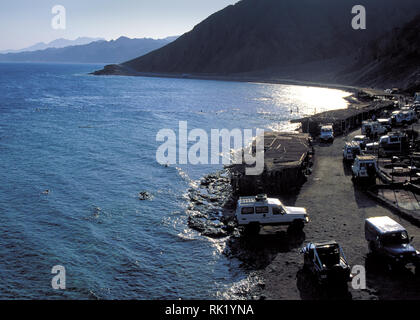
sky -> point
(26, 22)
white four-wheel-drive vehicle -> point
(394, 143)
(256, 211)
(373, 128)
(361, 140)
(351, 150)
(364, 167)
(401, 117)
(327, 133)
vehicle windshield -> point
(329, 255)
(395, 238)
(326, 130)
(278, 210)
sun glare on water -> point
(310, 100)
(293, 102)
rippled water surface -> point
(91, 142)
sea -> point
(76, 150)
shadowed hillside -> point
(300, 39)
(391, 60)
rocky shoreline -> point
(337, 210)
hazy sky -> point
(25, 22)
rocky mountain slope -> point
(298, 39)
(393, 60)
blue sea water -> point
(91, 141)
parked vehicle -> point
(254, 212)
(326, 261)
(373, 128)
(410, 114)
(361, 140)
(371, 148)
(327, 133)
(394, 143)
(386, 123)
(388, 239)
(402, 117)
(364, 167)
(351, 150)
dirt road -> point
(337, 209)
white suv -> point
(364, 167)
(327, 133)
(253, 212)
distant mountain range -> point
(100, 51)
(58, 43)
(310, 40)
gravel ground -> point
(337, 210)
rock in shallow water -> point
(144, 195)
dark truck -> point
(326, 261)
(388, 239)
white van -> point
(389, 239)
(256, 211)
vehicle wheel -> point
(252, 229)
(297, 225)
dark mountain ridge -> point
(301, 39)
